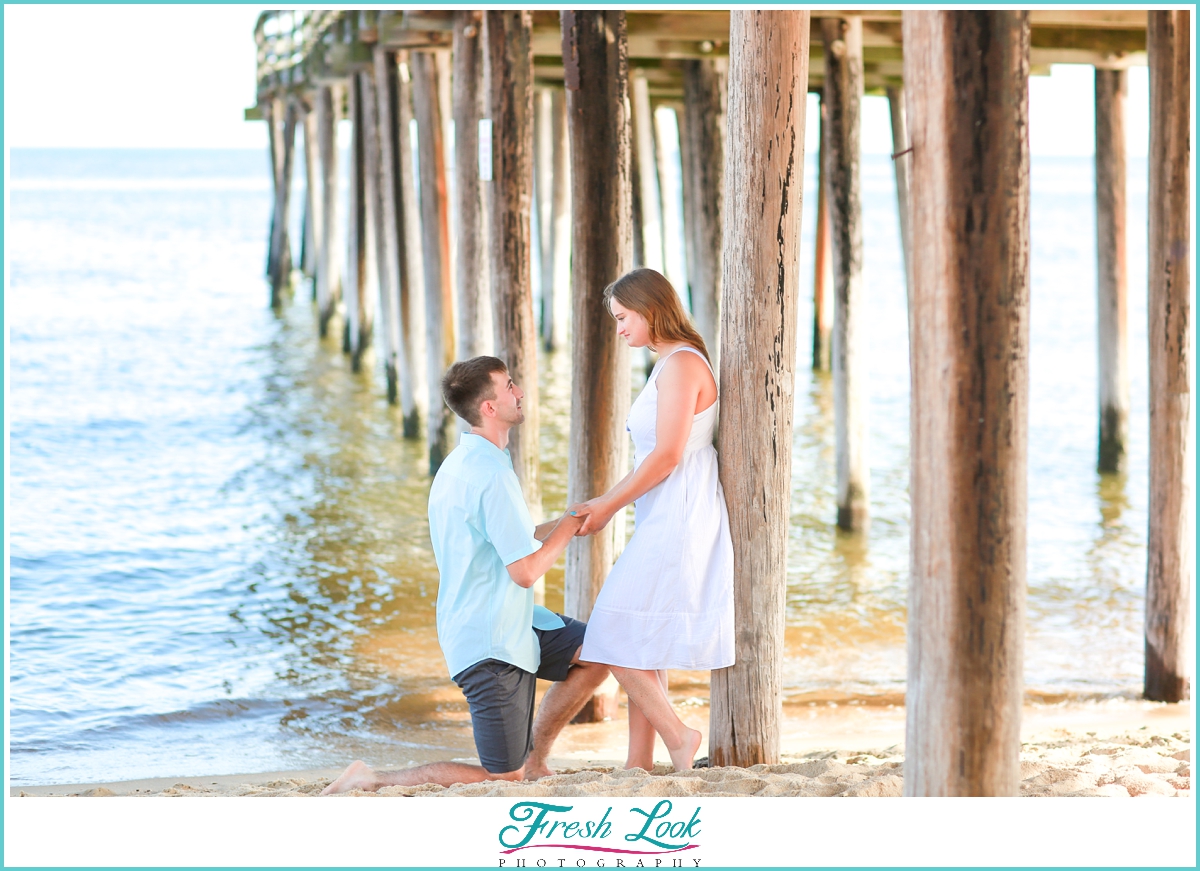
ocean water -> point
(218, 552)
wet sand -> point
(1115, 747)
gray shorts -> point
(501, 697)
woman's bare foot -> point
(358, 776)
(644, 764)
(682, 757)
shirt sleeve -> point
(506, 519)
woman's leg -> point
(641, 739)
(645, 690)
(641, 733)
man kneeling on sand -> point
(495, 640)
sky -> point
(181, 76)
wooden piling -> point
(377, 191)
(412, 265)
(764, 179)
(474, 328)
(842, 39)
(360, 320)
(1112, 314)
(543, 193)
(391, 243)
(597, 93)
(690, 193)
(666, 135)
(312, 215)
(508, 49)
(635, 204)
(273, 112)
(355, 224)
(647, 173)
(556, 307)
(329, 274)
(966, 76)
(900, 164)
(822, 338)
(1171, 557)
(704, 181)
(441, 428)
(281, 265)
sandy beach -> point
(1115, 748)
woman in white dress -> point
(668, 601)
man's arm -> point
(544, 529)
(527, 570)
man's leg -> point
(500, 696)
(361, 776)
(562, 701)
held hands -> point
(594, 513)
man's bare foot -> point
(358, 776)
(682, 757)
(537, 771)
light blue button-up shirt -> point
(480, 524)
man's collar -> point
(474, 442)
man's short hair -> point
(468, 383)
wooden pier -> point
(556, 112)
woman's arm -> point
(679, 386)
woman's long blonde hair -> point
(650, 294)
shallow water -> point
(219, 558)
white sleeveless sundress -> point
(668, 601)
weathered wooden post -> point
(842, 38)
(329, 273)
(543, 193)
(281, 249)
(822, 347)
(508, 48)
(556, 311)
(667, 134)
(474, 329)
(412, 265)
(900, 162)
(379, 188)
(647, 172)
(690, 192)
(360, 305)
(391, 244)
(312, 214)
(272, 113)
(764, 179)
(1171, 547)
(355, 241)
(703, 147)
(597, 92)
(1112, 332)
(441, 429)
(966, 81)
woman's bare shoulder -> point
(684, 368)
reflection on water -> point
(220, 554)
